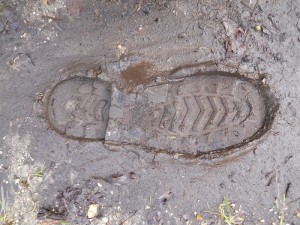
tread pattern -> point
(197, 114)
(204, 113)
(79, 108)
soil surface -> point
(79, 81)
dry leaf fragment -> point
(230, 27)
(229, 48)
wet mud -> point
(149, 112)
(137, 74)
(201, 115)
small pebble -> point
(104, 219)
(258, 28)
(93, 211)
(182, 35)
(199, 217)
(247, 58)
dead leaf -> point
(239, 32)
(229, 48)
(234, 34)
(230, 28)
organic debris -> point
(226, 213)
(234, 33)
(228, 47)
(93, 211)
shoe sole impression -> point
(78, 108)
(203, 115)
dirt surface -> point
(50, 177)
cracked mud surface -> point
(46, 174)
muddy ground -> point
(47, 178)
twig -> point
(51, 17)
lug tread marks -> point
(206, 113)
(198, 121)
(167, 117)
(202, 114)
(194, 116)
(78, 108)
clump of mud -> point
(74, 202)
